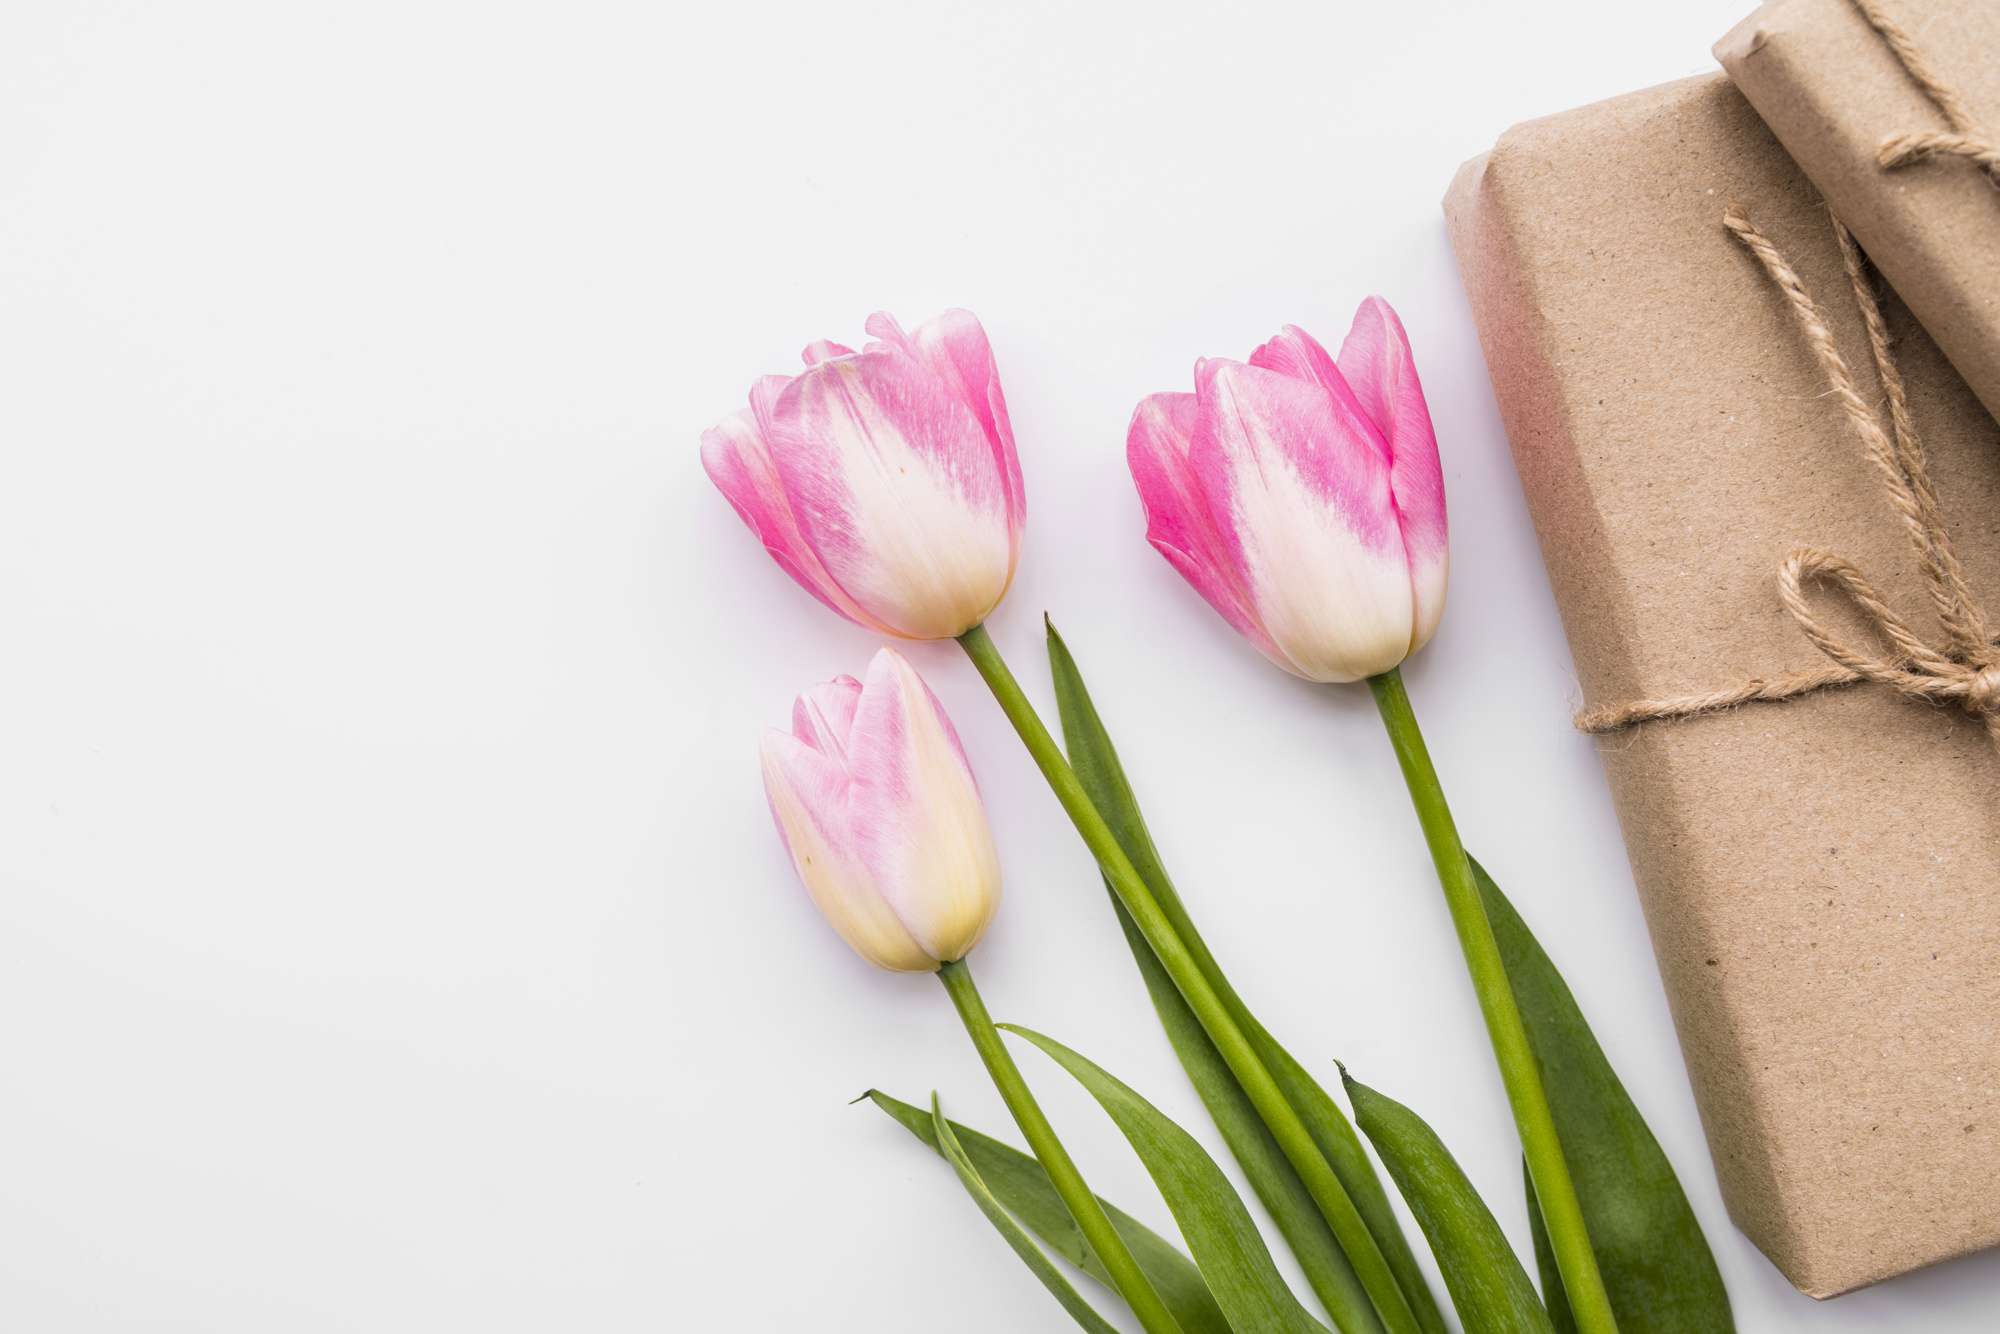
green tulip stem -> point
(1083, 1206)
(1277, 1114)
(1554, 1190)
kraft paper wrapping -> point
(1832, 90)
(1821, 877)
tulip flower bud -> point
(884, 481)
(879, 810)
(1303, 498)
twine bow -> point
(1967, 137)
(1966, 669)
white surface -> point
(392, 935)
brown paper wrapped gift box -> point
(1821, 877)
(1832, 90)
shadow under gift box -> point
(1821, 877)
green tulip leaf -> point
(1481, 1271)
(1273, 1178)
(1095, 762)
(1554, 1296)
(1658, 1270)
(1022, 1187)
(1016, 1236)
(1212, 1217)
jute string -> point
(1966, 668)
(1966, 138)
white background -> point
(392, 933)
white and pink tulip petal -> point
(1178, 521)
(824, 716)
(764, 391)
(917, 819)
(810, 796)
(824, 349)
(736, 459)
(953, 346)
(1296, 353)
(891, 481)
(1377, 362)
(1304, 504)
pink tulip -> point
(884, 480)
(878, 807)
(1303, 497)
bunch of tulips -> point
(1300, 493)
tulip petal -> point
(893, 485)
(953, 347)
(824, 716)
(1302, 498)
(915, 812)
(737, 460)
(810, 799)
(1377, 363)
(764, 391)
(822, 349)
(1296, 353)
(1178, 522)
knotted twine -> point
(1967, 137)
(1966, 668)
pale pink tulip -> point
(1303, 497)
(884, 480)
(878, 807)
